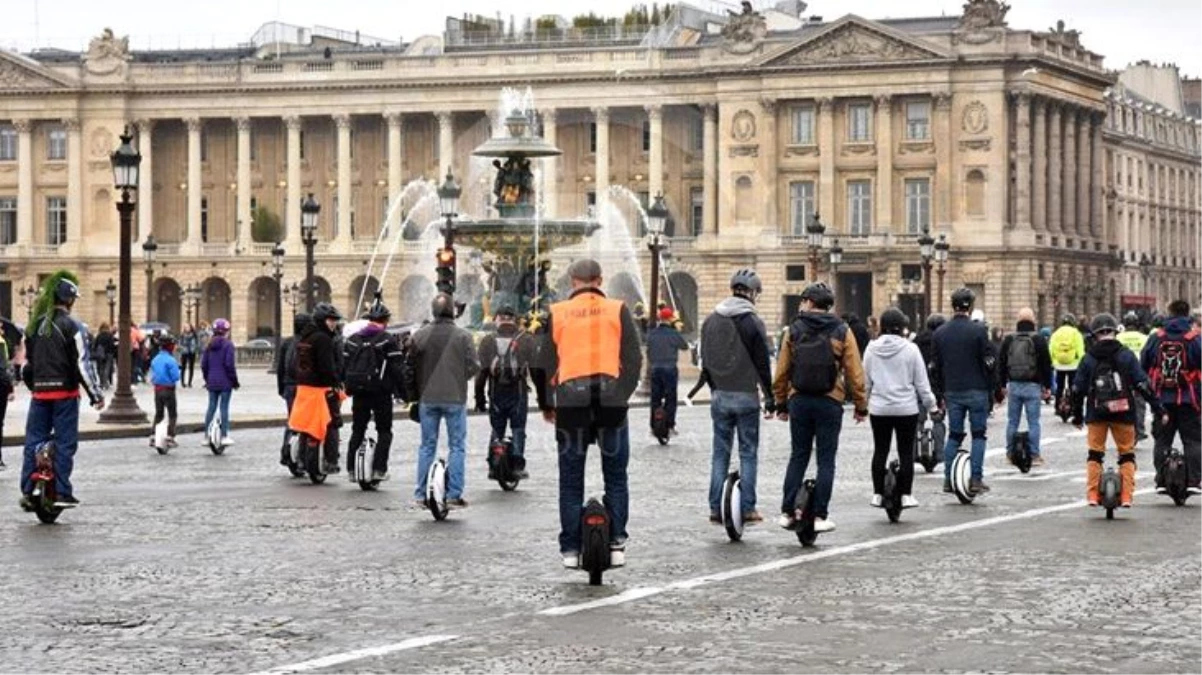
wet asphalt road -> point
(198, 563)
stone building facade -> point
(1001, 139)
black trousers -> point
(364, 409)
(1183, 420)
(3, 414)
(884, 428)
(164, 400)
(187, 368)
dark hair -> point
(1179, 308)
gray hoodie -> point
(896, 377)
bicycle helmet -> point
(1131, 320)
(747, 280)
(325, 310)
(66, 292)
(505, 310)
(820, 294)
(221, 327)
(934, 321)
(963, 299)
(378, 312)
(1068, 320)
(894, 322)
(1104, 323)
(1158, 320)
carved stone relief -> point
(742, 127)
(975, 118)
(856, 43)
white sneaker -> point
(571, 561)
(226, 442)
(617, 557)
(876, 501)
(380, 476)
(785, 520)
(824, 525)
(909, 502)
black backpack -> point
(1022, 363)
(815, 371)
(363, 366)
(505, 369)
(1111, 391)
(719, 354)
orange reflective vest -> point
(587, 331)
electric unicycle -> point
(307, 458)
(961, 472)
(365, 456)
(291, 454)
(159, 441)
(436, 490)
(1019, 452)
(732, 506)
(803, 513)
(890, 494)
(213, 435)
(594, 537)
(1109, 489)
(928, 450)
(43, 499)
(659, 425)
(503, 466)
(1176, 476)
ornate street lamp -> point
(310, 209)
(814, 234)
(292, 296)
(110, 294)
(657, 217)
(29, 296)
(926, 248)
(836, 258)
(941, 250)
(149, 251)
(1145, 270)
(125, 161)
(277, 266)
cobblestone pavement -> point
(197, 563)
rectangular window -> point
(697, 135)
(8, 221)
(803, 125)
(918, 120)
(646, 135)
(56, 144)
(254, 152)
(795, 272)
(801, 205)
(8, 143)
(56, 220)
(592, 137)
(859, 207)
(254, 204)
(696, 209)
(918, 205)
(351, 133)
(204, 219)
(859, 122)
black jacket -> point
(446, 361)
(859, 330)
(1043, 356)
(392, 380)
(317, 359)
(523, 346)
(58, 357)
(664, 345)
(963, 358)
(754, 368)
(285, 365)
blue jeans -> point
(456, 416)
(1022, 396)
(216, 398)
(974, 405)
(614, 443)
(812, 419)
(509, 408)
(51, 419)
(664, 384)
(731, 410)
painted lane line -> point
(784, 563)
(347, 657)
(1015, 476)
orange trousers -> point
(1124, 439)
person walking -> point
(189, 346)
(165, 376)
(1173, 359)
(1024, 376)
(818, 356)
(445, 359)
(893, 372)
(502, 385)
(219, 368)
(963, 363)
(372, 362)
(589, 364)
(734, 362)
(664, 345)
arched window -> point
(743, 199)
(974, 193)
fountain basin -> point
(514, 237)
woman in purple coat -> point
(219, 369)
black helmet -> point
(66, 292)
(746, 278)
(506, 310)
(820, 294)
(378, 312)
(1104, 323)
(894, 321)
(1158, 320)
(1068, 320)
(325, 310)
(299, 322)
(1131, 320)
(963, 299)
(934, 321)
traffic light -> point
(446, 271)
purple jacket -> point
(217, 365)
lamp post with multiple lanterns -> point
(657, 216)
(277, 267)
(926, 248)
(814, 233)
(836, 257)
(941, 250)
(448, 198)
(310, 209)
(149, 251)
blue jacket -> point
(664, 344)
(164, 371)
(1178, 328)
(218, 365)
(1134, 379)
(962, 357)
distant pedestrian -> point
(218, 366)
(189, 347)
(664, 345)
(165, 376)
(1024, 376)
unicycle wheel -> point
(889, 498)
(732, 509)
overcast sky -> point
(1122, 30)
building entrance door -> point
(853, 294)
(913, 305)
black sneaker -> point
(523, 474)
(947, 486)
(977, 486)
(66, 500)
(3, 466)
(715, 518)
(333, 469)
(457, 503)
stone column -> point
(24, 182)
(601, 117)
(655, 160)
(1068, 219)
(292, 219)
(709, 153)
(243, 217)
(1098, 170)
(767, 166)
(343, 123)
(74, 185)
(145, 224)
(396, 154)
(195, 188)
(1054, 168)
(943, 163)
(1022, 173)
(551, 166)
(1039, 186)
(446, 144)
(1084, 175)
(826, 159)
(884, 164)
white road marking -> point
(347, 657)
(1016, 476)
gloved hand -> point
(415, 414)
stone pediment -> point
(20, 73)
(853, 39)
